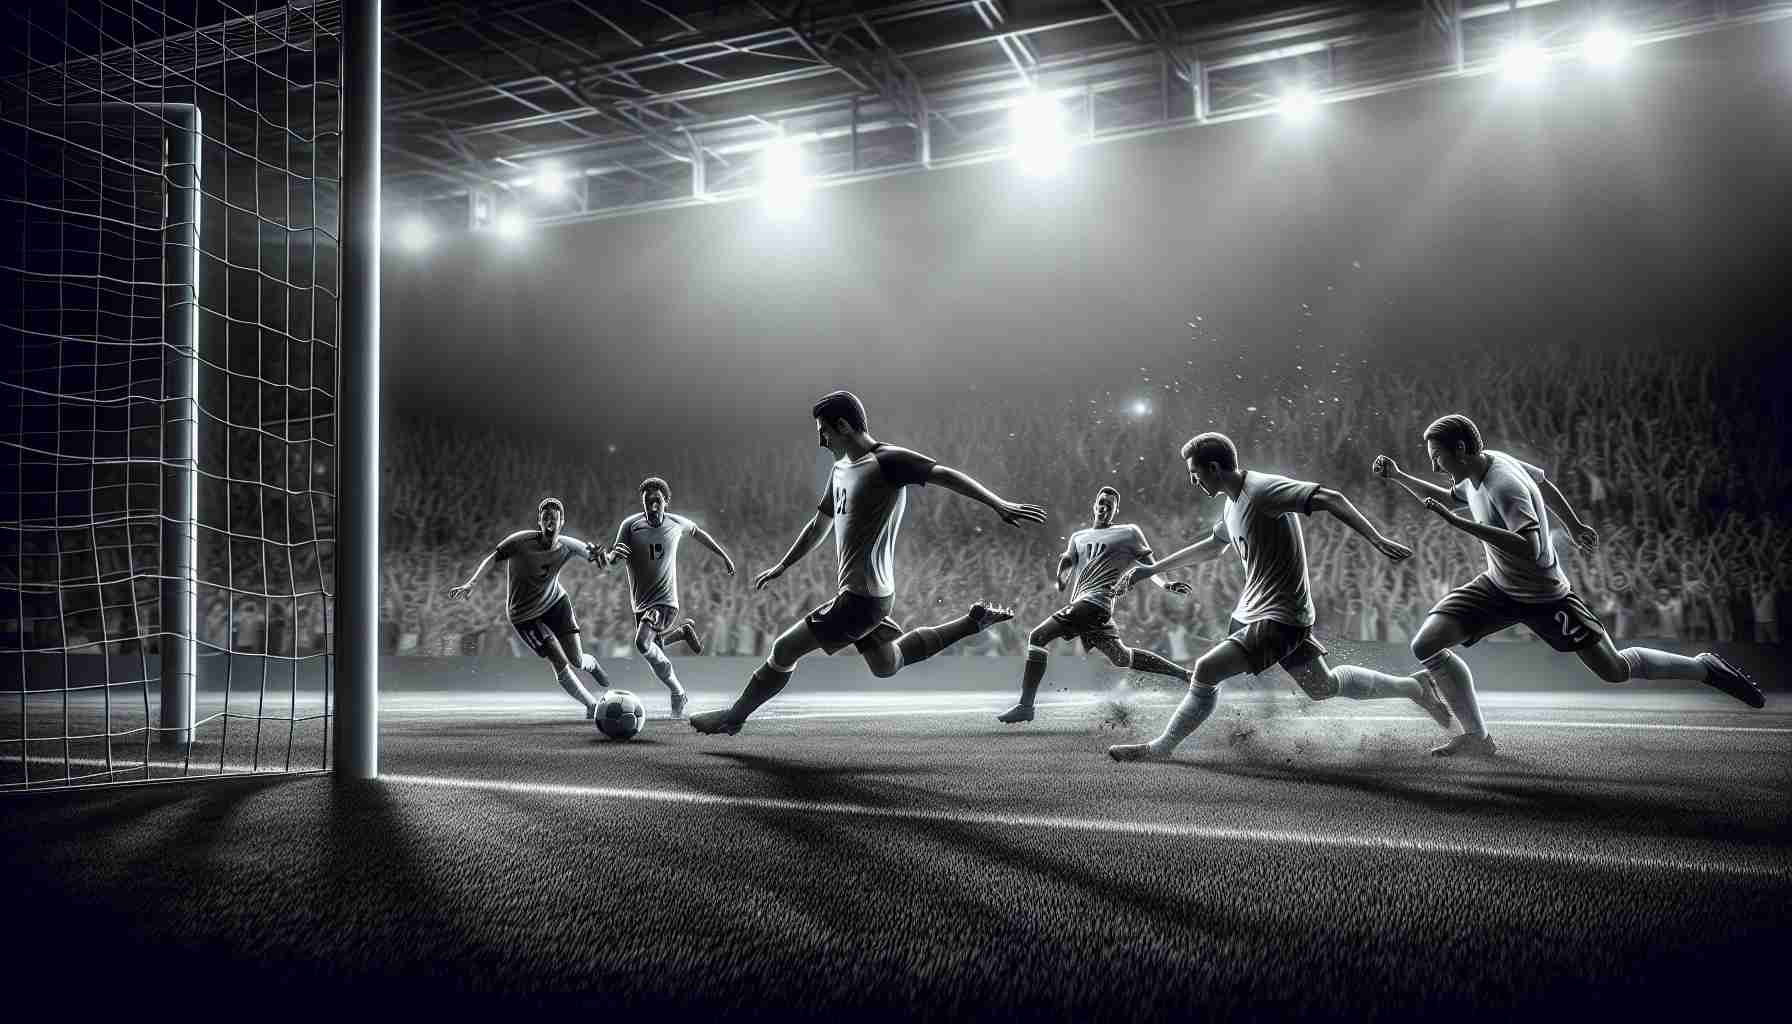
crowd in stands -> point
(1671, 457)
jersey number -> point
(1093, 551)
(659, 551)
(1571, 630)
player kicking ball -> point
(1095, 558)
(863, 505)
(540, 610)
(1509, 502)
(1273, 621)
(648, 542)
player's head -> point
(837, 416)
(655, 496)
(1210, 456)
(1107, 502)
(551, 515)
(1453, 442)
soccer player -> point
(648, 542)
(1096, 556)
(540, 610)
(863, 505)
(1509, 503)
(1273, 621)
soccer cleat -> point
(1465, 745)
(1431, 700)
(591, 712)
(688, 632)
(712, 722)
(987, 615)
(1724, 676)
(1136, 752)
(1018, 713)
(679, 700)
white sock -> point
(574, 689)
(1457, 684)
(1367, 684)
(1196, 705)
(1649, 663)
(589, 664)
(662, 666)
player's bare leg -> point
(791, 646)
(919, 644)
(1140, 660)
(1223, 661)
(647, 643)
(1455, 682)
(1320, 681)
(1037, 656)
(1615, 666)
(563, 674)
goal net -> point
(171, 359)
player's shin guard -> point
(1196, 705)
(764, 685)
(1033, 675)
(1648, 663)
(1367, 684)
(662, 666)
(1457, 684)
(574, 689)
(596, 671)
(1156, 664)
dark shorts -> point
(1086, 621)
(1267, 642)
(1566, 623)
(854, 620)
(662, 616)
(557, 620)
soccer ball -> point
(620, 715)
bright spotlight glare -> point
(1040, 145)
(413, 234)
(785, 181)
(1140, 407)
(549, 180)
(1605, 46)
(1298, 102)
(510, 225)
(1523, 61)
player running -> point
(648, 542)
(1096, 556)
(1273, 621)
(863, 503)
(540, 610)
(1509, 502)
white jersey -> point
(1263, 524)
(1102, 556)
(532, 578)
(1508, 498)
(653, 557)
(865, 500)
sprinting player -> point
(540, 609)
(1095, 558)
(1509, 503)
(648, 542)
(863, 504)
(1273, 621)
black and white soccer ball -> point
(620, 715)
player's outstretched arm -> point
(1066, 562)
(1386, 468)
(1518, 545)
(701, 536)
(1327, 500)
(1012, 513)
(1585, 537)
(1204, 550)
(812, 534)
(464, 591)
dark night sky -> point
(1645, 206)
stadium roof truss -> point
(650, 104)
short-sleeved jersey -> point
(1102, 555)
(1263, 525)
(533, 570)
(865, 500)
(653, 557)
(1508, 498)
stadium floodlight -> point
(1297, 102)
(1605, 46)
(413, 234)
(1523, 61)
(1140, 407)
(510, 225)
(784, 182)
(549, 179)
(1040, 143)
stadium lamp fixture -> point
(1140, 407)
(1605, 46)
(1040, 143)
(509, 225)
(413, 234)
(550, 180)
(784, 181)
(1523, 61)
(1297, 102)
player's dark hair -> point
(1109, 490)
(654, 483)
(547, 503)
(841, 405)
(1454, 429)
(1212, 447)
